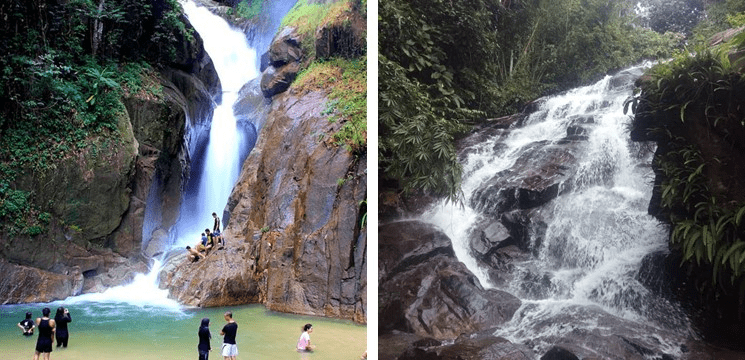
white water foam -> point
(143, 292)
(596, 235)
(235, 63)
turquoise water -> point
(106, 330)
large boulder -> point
(285, 55)
(24, 284)
(275, 81)
(535, 179)
(425, 290)
(285, 48)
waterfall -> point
(216, 173)
(216, 159)
(582, 269)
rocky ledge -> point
(294, 241)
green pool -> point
(111, 330)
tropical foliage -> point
(446, 64)
(691, 106)
(64, 70)
(346, 77)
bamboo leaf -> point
(738, 217)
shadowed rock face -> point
(293, 239)
(425, 290)
(96, 196)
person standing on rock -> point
(229, 347)
(204, 347)
(27, 325)
(62, 318)
(216, 226)
(46, 335)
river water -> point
(119, 331)
(582, 276)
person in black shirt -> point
(229, 347)
(216, 227)
(62, 318)
(46, 335)
(204, 347)
(27, 325)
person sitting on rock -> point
(210, 238)
(194, 255)
(204, 239)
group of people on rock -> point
(49, 330)
(229, 349)
(210, 240)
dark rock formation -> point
(275, 81)
(478, 348)
(343, 37)
(293, 238)
(425, 290)
(285, 55)
(559, 353)
(534, 180)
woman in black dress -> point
(204, 340)
(62, 318)
(46, 328)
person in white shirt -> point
(303, 344)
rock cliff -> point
(295, 232)
(293, 238)
(96, 196)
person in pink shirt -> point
(303, 344)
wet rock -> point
(624, 80)
(478, 346)
(558, 353)
(426, 291)
(611, 337)
(24, 284)
(275, 81)
(491, 238)
(534, 179)
(344, 37)
(285, 48)
(284, 62)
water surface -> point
(108, 331)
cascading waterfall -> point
(218, 167)
(597, 233)
(235, 64)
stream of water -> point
(217, 160)
(583, 271)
